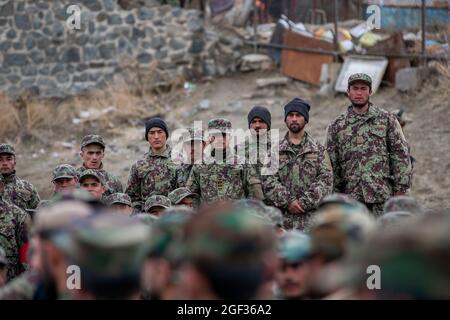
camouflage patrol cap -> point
(77, 194)
(64, 171)
(92, 139)
(179, 194)
(157, 201)
(146, 218)
(360, 77)
(219, 124)
(184, 210)
(108, 248)
(338, 198)
(294, 246)
(402, 203)
(393, 218)
(118, 197)
(3, 259)
(194, 134)
(7, 148)
(91, 173)
(269, 214)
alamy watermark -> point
(373, 282)
(73, 22)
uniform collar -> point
(165, 154)
(353, 117)
(307, 144)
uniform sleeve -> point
(118, 185)
(399, 157)
(134, 188)
(275, 191)
(331, 146)
(253, 185)
(322, 185)
(35, 199)
(193, 183)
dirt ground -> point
(232, 97)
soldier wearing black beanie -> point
(155, 122)
(262, 113)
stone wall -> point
(39, 52)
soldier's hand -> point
(295, 207)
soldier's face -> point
(65, 184)
(295, 122)
(156, 210)
(92, 156)
(93, 186)
(188, 201)
(359, 94)
(291, 278)
(7, 163)
(121, 208)
(157, 138)
(257, 124)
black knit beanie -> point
(297, 105)
(155, 122)
(260, 112)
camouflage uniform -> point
(14, 228)
(65, 171)
(121, 198)
(155, 174)
(369, 155)
(402, 203)
(184, 169)
(267, 214)
(177, 195)
(304, 174)
(18, 191)
(228, 179)
(156, 201)
(21, 288)
(111, 182)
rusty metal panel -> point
(304, 66)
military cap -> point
(108, 247)
(77, 194)
(118, 197)
(219, 124)
(64, 171)
(91, 173)
(7, 148)
(157, 201)
(402, 203)
(92, 139)
(194, 134)
(184, 210)
(294, 246)
(338, 198)
(146, 218)
(179, 194)
(360, 77)
(268, 214)
(394, 217)
(3, 259)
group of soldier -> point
(216, 226)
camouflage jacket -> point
(254, 151)
(112, 183)
(369, 155)
(231, 180)
(20, 192)
(21, 287)
(183, 172)
(14, 227)
(155, 174)
(304, 174)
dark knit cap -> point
(260, 112)
(297, 105)
(155, 122)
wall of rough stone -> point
(38, 52)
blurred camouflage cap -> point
(146, 218)
(393, 218)
(7, 148)
(194, 134)
(179, 194)
(64, 171)
(43, 204)
(360, 77)
(219, 124)
(338, 198)
(402, 203)
(108, 246)
(269, 214)
(157, 201)
(3, 259)
(294, 246)
(337, 229)
(118, 197)
(227, 236)
(91, 173)
(77, 194)
(92, 139)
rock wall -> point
(41, 53)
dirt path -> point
(232, 97)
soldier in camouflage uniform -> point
(155, 174)
(182, 196)
(119, 202)
(194, 143)
(65, 179)
(156, 204)
(17, 191)
(224, 175)
(92, 153)
(92, 181)
(304, 176)
(368, 150)
(14, 229)
(110, 250)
